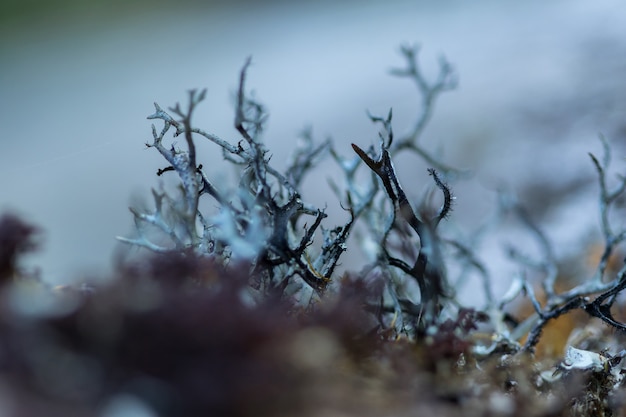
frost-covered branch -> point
(428, 269)
(429, 92)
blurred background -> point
(538, 81)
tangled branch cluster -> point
(230, 299)
(261, 222)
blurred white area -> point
(75, 90)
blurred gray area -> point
(538, 82)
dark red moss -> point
(16, 238)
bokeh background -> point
(538, 81)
